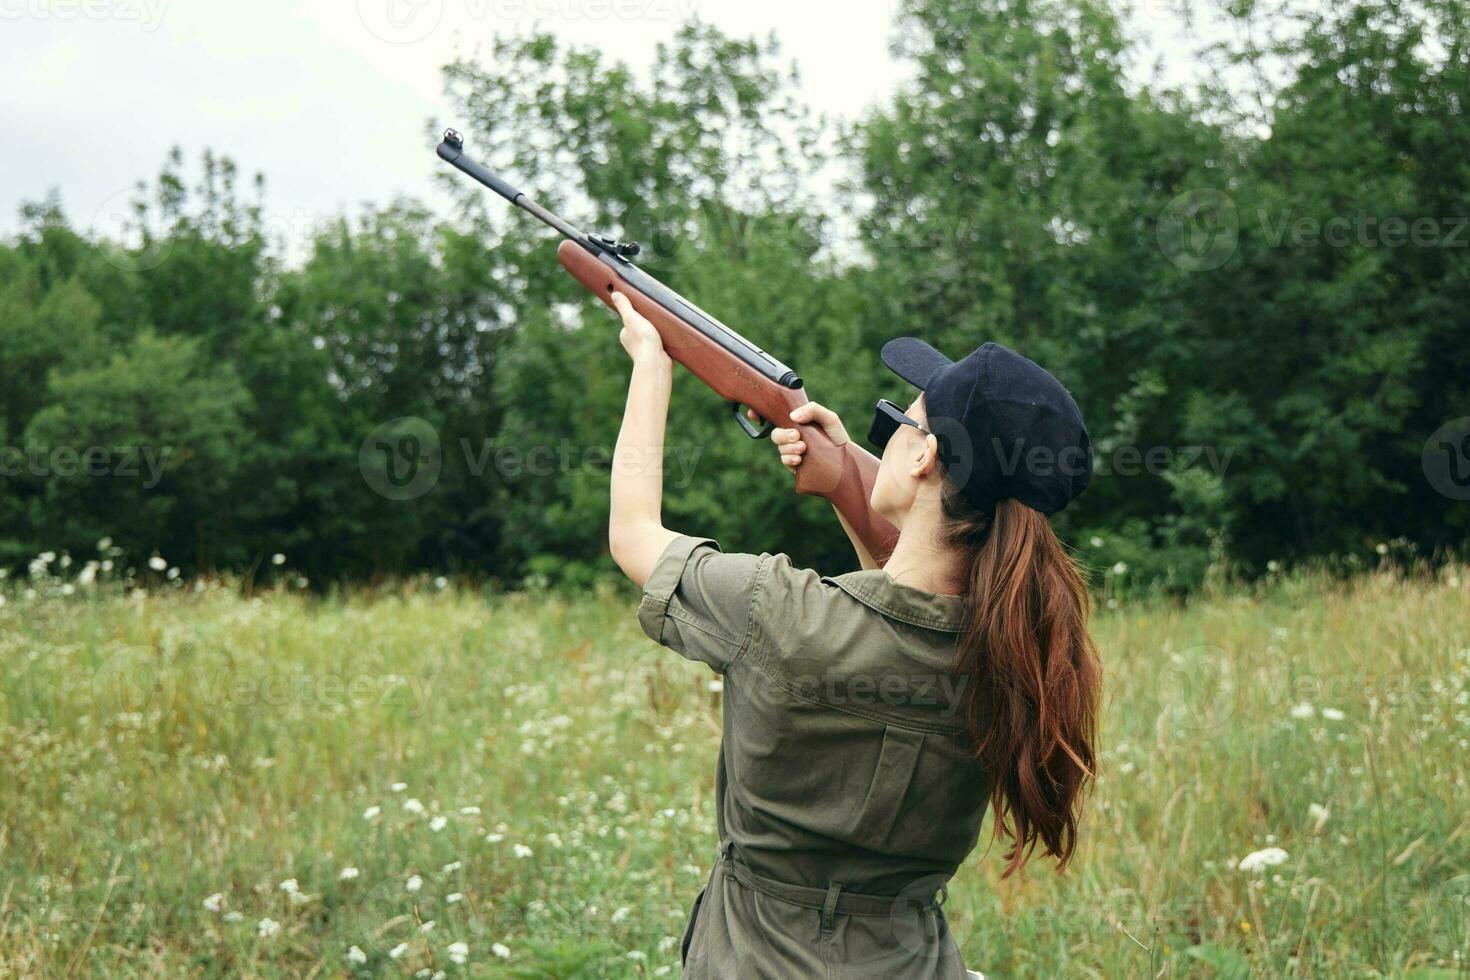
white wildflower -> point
(501, 950)
(356, 955)
(522, 851)
(347, 874)
(172, 573)
(1262, 859)
(454, 898)
(157, 563)
(290, 887)
(214, 902)
(412, 805)
(619, 914)
(441, 582)
(371, 813)
(267, 928)
(398, 787)
(103, 544)
(494, 838)
(427, 926)
(459, 952)
(438, 823)
(278, 559)
(716, 686)
(234, 916)
(413, 884)
(397, 951)
(452, 867)
(1332, 714)
(1120, 568)
(469, 811)
(1095, 541)
(1303, 710)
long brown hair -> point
(1034, 675)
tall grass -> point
(531, 778)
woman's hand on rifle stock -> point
(789, 443)
(639, 337)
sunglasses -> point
(887, 417)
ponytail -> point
(1034, 674)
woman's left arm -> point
(635, 532)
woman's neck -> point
(922, 558)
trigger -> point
(746, 424)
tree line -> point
(1256, 287)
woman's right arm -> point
(792, 448)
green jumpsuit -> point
(847, 790)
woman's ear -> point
(928, 460)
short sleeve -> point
(697, 602)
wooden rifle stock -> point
(844, 474)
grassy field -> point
(196, 782)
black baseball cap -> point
(1006, 426)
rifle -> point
(737, 370)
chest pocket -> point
(892, 781)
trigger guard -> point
(745, 423)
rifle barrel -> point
(451, 149)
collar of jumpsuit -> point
(904, 603)
(847, 791)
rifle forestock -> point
(843, 474)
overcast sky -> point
(329, 99)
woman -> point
(869, 719)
